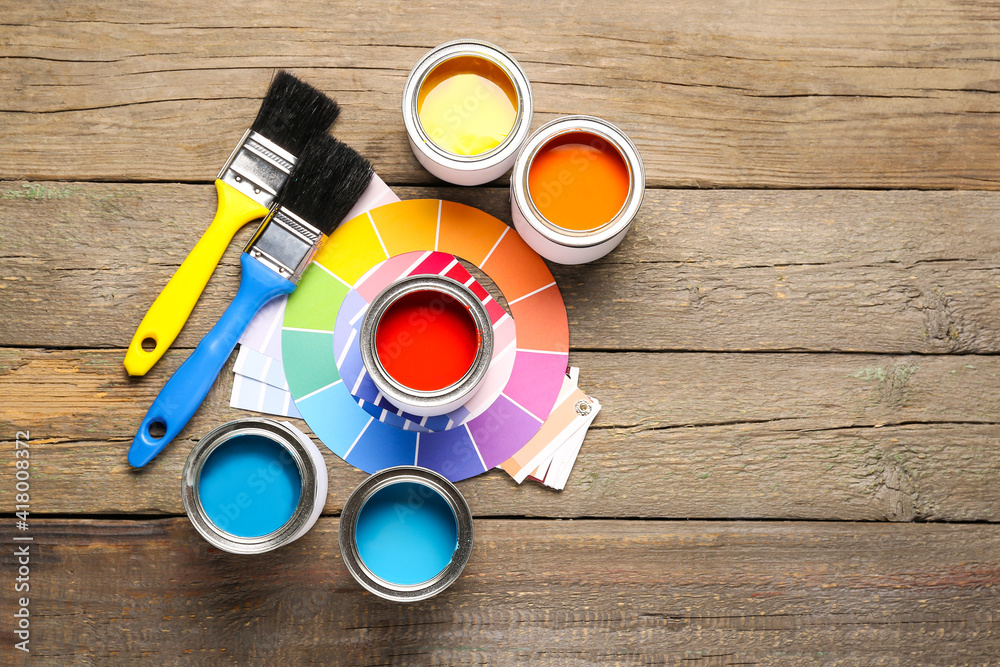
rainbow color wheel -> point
(347, 341)
(513, 418)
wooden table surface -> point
(796, 347)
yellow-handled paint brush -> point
(292, 114)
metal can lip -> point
(521, 195)
(478, 49)
(302, 518)
(426, 403)
(349, 547)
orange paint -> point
(427, 340)
(578, 181)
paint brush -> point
(292, 114)
(326, 182)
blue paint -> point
(249, 486)
(406, 533)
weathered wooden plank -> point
(566, 593)
(782, 94)
(719, 270)
(681, 435)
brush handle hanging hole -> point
(157, 430)
(148, 344)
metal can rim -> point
(398, 393)
(521, 195)
(191, 499)
(479, 49)
(349, 547)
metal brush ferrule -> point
(258, 168)
(285, 242)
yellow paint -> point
(467, 105)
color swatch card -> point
(257, 365)
(252, 394)
(549, 456)
(555, 472)
(264, 332)
(379, 246)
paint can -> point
(406, 533)
(253, 485)
(467, 108)
(571, 170)
(427, 341)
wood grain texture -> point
(892, 272)
(797, 347)
(561, 593)
(856, 437)
(722, 94)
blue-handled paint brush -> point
(326, 182)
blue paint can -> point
(406, 533)
(253, 485)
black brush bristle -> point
(326, 182)
(294, 113)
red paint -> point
(426, 340)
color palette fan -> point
(347, 347)
(517, 413)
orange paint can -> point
(576, 188)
